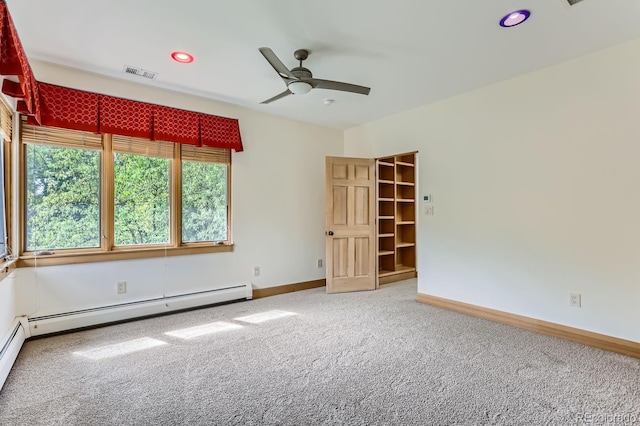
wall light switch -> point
(428, 210)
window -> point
(141, 173)
(62, 197)
(204, 194)
(110, 197)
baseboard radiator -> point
(9, 348)
(112, 313)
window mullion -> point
(107, 194)
(175, 210)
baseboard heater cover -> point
(9, 348)
(105, 314)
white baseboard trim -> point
(106, 314)
(10, 346)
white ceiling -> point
(410, 52)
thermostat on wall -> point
(426, 198)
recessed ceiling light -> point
(182, 57)
(515, 18)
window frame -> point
(108, 251)
(9, 262)
(3, 202)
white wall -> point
(536, 191)
(277, 202)
(7, 304)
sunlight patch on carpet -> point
(203, 330)
(123, 348)
(265, 316)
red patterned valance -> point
(123, 116)
(217, 134)
(13, 62)
(80, 110)
(170, 124)
(69, 109)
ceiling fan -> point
(299, 80)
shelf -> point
(406, 158)
(405, 212)
(396, 213)
(405, 258)
(385, 210)
(388, 192)
(402, 270)
(385, 273)
(406, 235)
(405, 244)
(405, 173)
(386, 227)
(404, 192)
(386, 172)
(386, 263)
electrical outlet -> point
(256, 271)
(319, 263)
(121, 287)
(575, 300)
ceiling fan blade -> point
(276, 63)
(276, 97)
(337, 85)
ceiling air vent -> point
(572, 2)
(128, 69)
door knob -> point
(329, 233)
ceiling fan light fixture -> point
(299, 87)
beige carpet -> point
(372, 358)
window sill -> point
(26, 261)
(7, 267)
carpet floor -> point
(308, 358)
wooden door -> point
(350, 224)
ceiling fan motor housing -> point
(301, 73)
